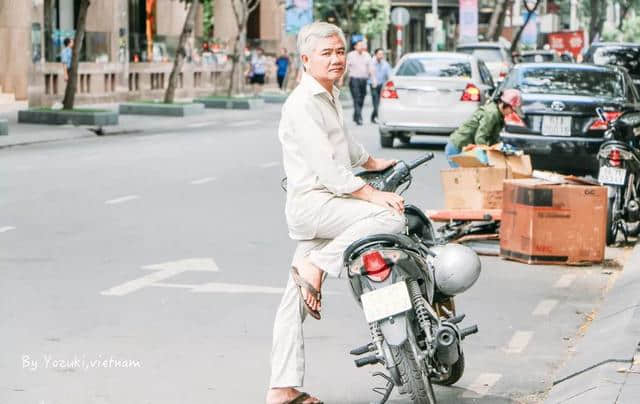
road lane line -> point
(482, 385)
(202, 181)
(122, 199)
(270, 164)
(201, 124)
(243, 123)
(565, 281)
(6, 229)
(544, 307)
(142, 282)
(519, 342)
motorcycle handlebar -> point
(417, 162)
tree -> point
(625, 7)
(530, 11)
(241, 11)
(368, 17)
(72, 82)
(187, 30)
(597, 16)
(496, 24)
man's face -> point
(327, 61)
(360, 46)
(380, 55)
(71, 43)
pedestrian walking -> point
(257, 70)
(282, 63)
(381, 72)
(359, 71)
(327, 207)
(65, 57)
(484, 126)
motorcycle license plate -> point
(556, 125)
(386, 302)
(612, 175)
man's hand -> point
(387, 200)
(374, 164)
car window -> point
(568, 81)
(434, 67)
(487, 54)
(537, 58)
(627, 57)
(485, 74)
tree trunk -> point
(596, 22)
(494, 31)
(236, 78)
(72, 83)
(516, 40)
(187, 29)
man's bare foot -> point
(312, 274)
(286, 394)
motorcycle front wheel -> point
(612, 226)
(413, 382)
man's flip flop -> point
(301, 283)
(301, 398)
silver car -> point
(431, 93)
(494, 54)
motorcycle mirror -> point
(601, 115)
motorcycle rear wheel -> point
(455, 372)
(612, 229)
(418, 387)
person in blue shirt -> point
(283, 65)
(65, 57)
(382, 71)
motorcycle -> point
(619, 162)
(405, 284)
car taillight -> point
(599, 124)
(514, 119)
(471, 93)
(615, 160)
(503, 74)
(375, 266)
(389, 91)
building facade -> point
(128, 48)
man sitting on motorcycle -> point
(484, 126)
(327, 207)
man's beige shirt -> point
(318, 155)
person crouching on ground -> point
(327, 207)
(484, 126)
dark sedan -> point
(626, 55)
(560, 128)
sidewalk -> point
(605, 367)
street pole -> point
(398, 42)
(574, 15)
(434, 11)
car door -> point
(488, 86)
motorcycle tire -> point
(455, 372)
(634, 230)
(418, 387)
(611, 232)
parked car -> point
(539, 56)
(560, 128)
(626, 55)
(431, 92)
(494, 54)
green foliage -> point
(368, 17)
(207, 20)
(631, 29)
(373, 17)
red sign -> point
(567, 41)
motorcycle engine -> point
(456, 268)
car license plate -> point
(386, 302)
(612, 175)
(556, 125)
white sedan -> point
(431, 93)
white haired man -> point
(327, 207)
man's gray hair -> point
(309, 35)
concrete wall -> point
(15, 46)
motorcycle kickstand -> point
(385, 392)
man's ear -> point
(305, 60)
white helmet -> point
(456, 268)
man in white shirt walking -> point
(327, 207)
(360, 71)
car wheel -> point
(386, 140)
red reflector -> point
(389, 91)
(503, 74)
(615, 159)
(599, 124)
(375, 266)
(471, 93)
(514, 119)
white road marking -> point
(565, 281)
(202, 181)
(6, 229)
(214, 287)
(519, 342)
(482, 385)
(243, 123)
(201, 124)
(544, 307)
(165, 270)
(270, 164)
(122, 199)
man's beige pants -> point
(342, 221)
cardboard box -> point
(478, 186)
(550, 223)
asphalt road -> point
(148, 269)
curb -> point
(598, 371)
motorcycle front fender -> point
(394, 329)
